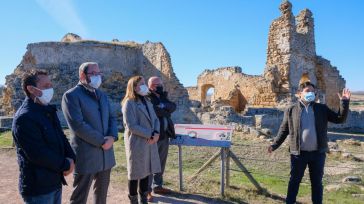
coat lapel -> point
(144, 110)
(103, 111)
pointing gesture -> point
(345, 95)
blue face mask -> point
(309, 96)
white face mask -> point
(95, 81)
(46, 97)
(143, 90)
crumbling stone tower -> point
(291, 54)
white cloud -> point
(65, 14)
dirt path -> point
(117, 193)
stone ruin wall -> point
(256, 101)
(118, 62)
(234, 88)
(291, 53)
(329, 80)
(2, 111)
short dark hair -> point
(305, 84)
(30, 78)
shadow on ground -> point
(186, 198)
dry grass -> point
(270, 170)
(357, 101)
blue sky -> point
(198, 34)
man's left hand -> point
(346, 94)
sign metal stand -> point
(224, 153)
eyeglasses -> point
(94, 73)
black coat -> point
(168, 108)
(292, 119)
(42, 149)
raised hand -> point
(346, 94)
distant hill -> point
(357, 101)
(358, 93)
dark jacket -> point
(164, 112)
(291, 125)
(42, 149)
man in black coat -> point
(44, 153)
(163, 108)
(306, 125)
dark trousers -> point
(133, 186)
(315, 162)
(82, 184)
(54, 197)
(156, 180)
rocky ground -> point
(343, 169)
(117, 193)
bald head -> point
(154, 82)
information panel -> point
(203, 135)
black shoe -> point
(133, 199)
(144, 197)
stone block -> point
(6, 122)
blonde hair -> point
(131, 93)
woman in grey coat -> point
(141, 136)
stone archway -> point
(204, 89)
(237, 100)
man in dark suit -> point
(163, 108)
(93, 128)
(44, 153)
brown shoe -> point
(161, 190)
(150, 197)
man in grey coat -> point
(93, 129)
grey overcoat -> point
(142, 158)
(90, 119)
